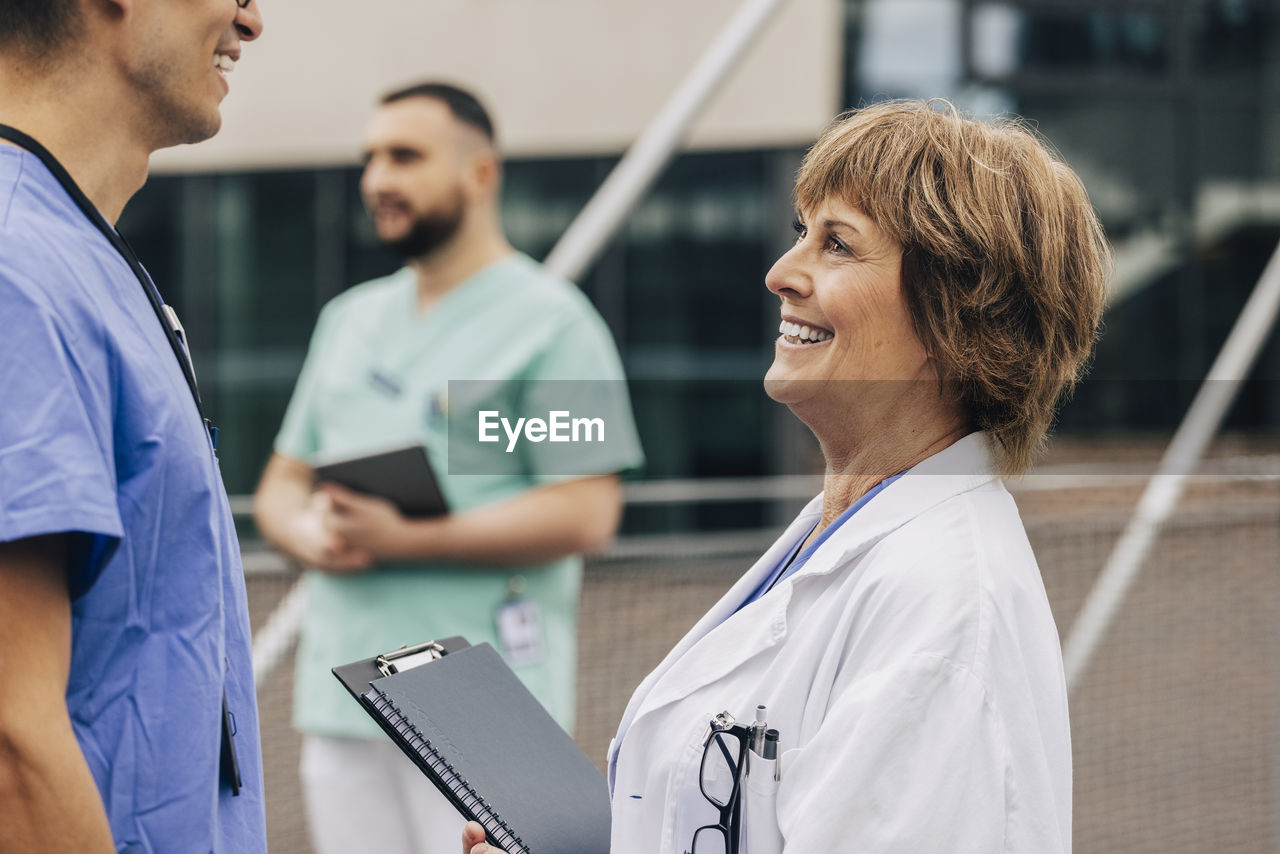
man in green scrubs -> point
(501, 567)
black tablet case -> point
(478, 734)
(403, 476)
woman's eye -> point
(831, 244)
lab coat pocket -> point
(760, 810)
(692, 809)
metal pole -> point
(273, 639)
(1198, 427)
(587, 235)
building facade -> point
(1167, 109)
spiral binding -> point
(496, 830)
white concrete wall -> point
(561, 76)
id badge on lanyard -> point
(519, 624)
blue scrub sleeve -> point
(56, 450)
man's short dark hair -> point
(37, 27)
(465, 107)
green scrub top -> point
(377, 374)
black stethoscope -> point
(230, 766)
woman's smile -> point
(803, 334)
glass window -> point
(905, 48)
(264, 262)
(696, 259)
(1231, 34)
(149, 225)
(1135, 41)
(541, 197)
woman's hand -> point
(473, 840)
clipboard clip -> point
(409, 657)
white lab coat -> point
(912, 667)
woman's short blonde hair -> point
(1004, 263)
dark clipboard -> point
(357, 676)
(402, 475)
(462, 716)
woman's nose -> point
(787, 276)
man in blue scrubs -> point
(124, 630)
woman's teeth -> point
(804, 333)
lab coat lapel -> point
(964, 466)
(709, 667)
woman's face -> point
(843, 281)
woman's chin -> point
(788, 390)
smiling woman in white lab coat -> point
(943, 292)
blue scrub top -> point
(99, 436)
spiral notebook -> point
(471, 726)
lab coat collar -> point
(963, 466)
(768, 616)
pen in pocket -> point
(770, 752)
(757, 731)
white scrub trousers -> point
(365, 795)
